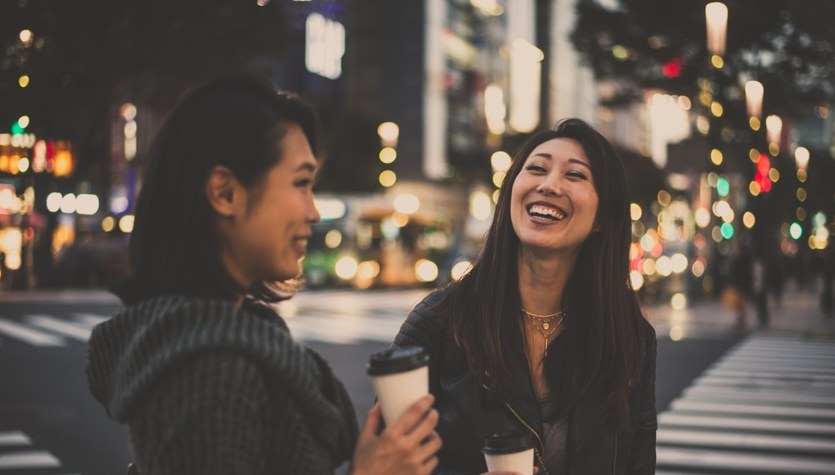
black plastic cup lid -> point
(507, 443)
(397, 360)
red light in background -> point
(672, 69)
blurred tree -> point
(645, 44)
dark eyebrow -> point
(308, 166)
(570, 160)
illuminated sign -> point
(325, 46)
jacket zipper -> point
(541, 449)
(615, 461)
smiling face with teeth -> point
(553, 204)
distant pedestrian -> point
(738, 293)
(759, 290)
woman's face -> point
(270, 234)
(553, 202)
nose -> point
(551, 185)
(313, 215)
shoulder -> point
(428, 320)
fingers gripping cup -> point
(509, 451)
(400, 377)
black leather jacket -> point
(470, 413)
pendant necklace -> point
(545, 325)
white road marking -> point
(759, 410)
(28, 335)
(14, 438)
(30, 459)
(742, 441)
(759, 463)
(63, 327)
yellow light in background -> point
(801, 176)
(53, 201)
(26, 37)
(774, 149)
(801, 214)
(636, 279)
(330, 208)
(108, 224)
(126, 223)
(702, 217)
(128, 111)
(23, 81)
(23, 164)
(400, 219)
(480, 206)
(368, 270)
(388, 155)
(333, 238)
(801, 195)
(678, 301)
(620, 53)
(705, 98)
(495, 110)
(702, 124)
(749, 220)
(635, 211)
(754, 155)
(387, 178)
(716, 156)
(346, 268)
(679, 263)
(664, 266)
(664, 198)
(648, 266)
(754, 188)
(426, 270)
(500, 161)
(717, 61)
(754, 123)
(23, 121)
(498, 179)
(698, 268)
(407, 203)
(460, 269)
(496, 195)
(774, 175)
(676, 333)
(716, 109)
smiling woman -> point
(203, 372)
(544, 335)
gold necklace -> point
(543, 324)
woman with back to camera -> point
(203, 372)
(545, 335)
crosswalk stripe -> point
(759, 463)
(29, 335)
(764, 367)
(822, 381)
(14, 438)
(91, 319)
(761, 410)
(781, 363)
(746, 423)
(812, 387)
(29, 459)
(741, 441)
(736, 394)
(60, 326)
(342, 329)
(723, 373)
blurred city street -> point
(730, 400)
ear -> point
(223, 191)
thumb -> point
(372, 423)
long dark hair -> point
(235, 121)
(603, 342)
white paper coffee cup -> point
(509, 452)
(400, 377)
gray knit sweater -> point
(206, 387)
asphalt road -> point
(50, 424)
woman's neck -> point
(542, 280)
